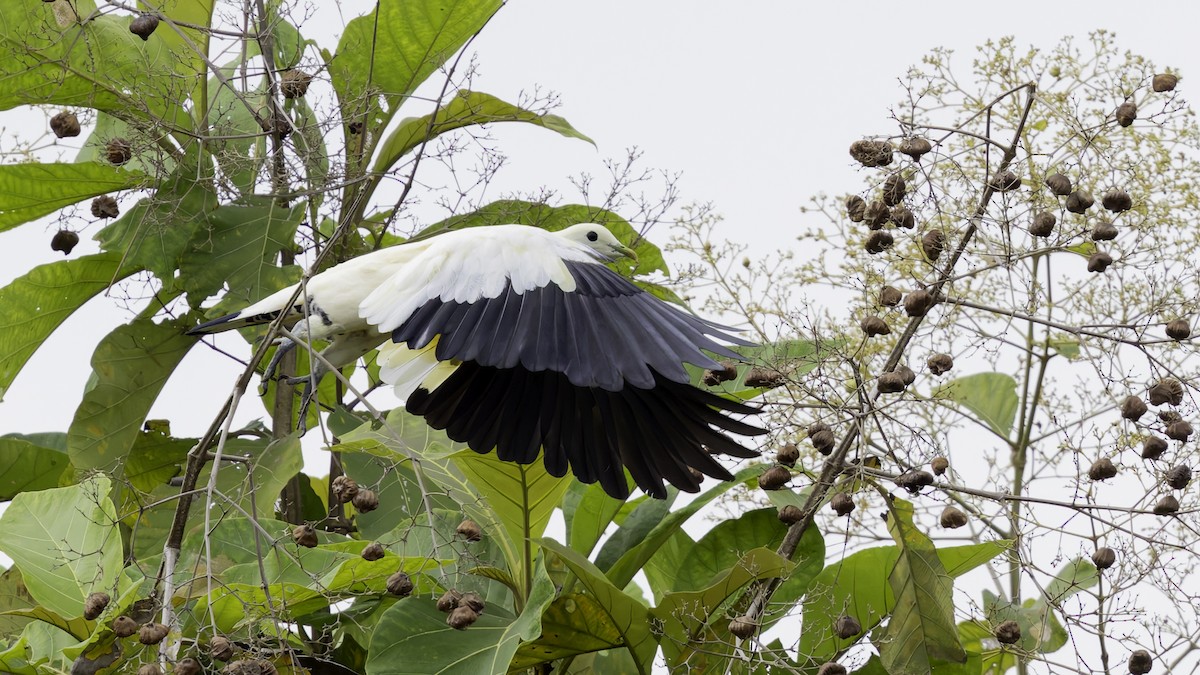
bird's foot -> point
(285, 345)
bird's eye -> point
(592, 235)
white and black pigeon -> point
(520, 340)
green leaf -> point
(467, 108)
(154, 234)
(588, 510)
(1078, 575)
(66, 543)
(27, 467)
(33, 306)
(575, 623)
(639, 522)
(238, 144)
(1068, 347)
(723, 545)
(238, 246)
(991, 396)
(29, 191)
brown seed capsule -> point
(856, 208)
(952, 518)
(220, 648)
(939, 465)
(344, 488)
(275, 122)
(894, 189)
(149, 669)
(846, 627)
(304, 535)
(774, 478)
(365, 501)
(65, 125)
(355, 128)
(124, 626)
(873, 325)
(823, 441)
(118, 151)
(400, 584)
(1178, 329)
(473, 600)
(1104, 558)
(64, 240)
(913, 480)
(143, 26)
(842, 504)
(1132, 408)
(727, 372)
(763, 378)
(1116, 201)
(871, 153)
(1059, 184)
(294, 83)
(1153, 447)
(906, 374)
(788, 454)
(1178, 477)
(1168, 416)
(461, 618)
(152, 633)
(889, 296)
(1080, 201)
(1126, 113)
(1099, 261)
(932, 244)
(1043, 224)
(187, 666)
(878, 242)
(1179, 430)
(449, 600)
(1166, 506)
(105, 206)
(918, 302)
(790, 514)
(1008, 632)
(831, 668)
(876, 215)
(1104, 231)
(1006, 181)
(902, 217)
(890, 383)
(915, 147)
(374, 551)
(1102, 469)
(743, 627)
(94, 605)
(1164, 82)
(1140, 662)
(1166, 390)
(940, 363)
(469, 530)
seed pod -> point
(1132, 408)
(823, 441)
(846, 627)
(902, 217)
(1043, 224)
(918, 302)
(1166, 390)
(294, 83)
(889, 296)
(1140, 662)
(473, 600)
(449, 600)
(873, 325)
(1178, 329)
(461, 618)
(1102, 469)
(400, 584)
(1179, 430)
(878, 242)
(118, 151)
(1006, 181)
(124, 626)
(1178, 477)
(952, 518)
(355, 128)
(1008, 632)
(789, 514)
(1166, 506)
(1126, 113)
(187, 666)
(1168, 416)
(743, 627)
(1059, 184)
(469, 530)
(842, 504)
(890, 383)
(763, 378)
(727, 372)
(1104, 231)
(152, 633)
(1162, 82)
(344, 488)
(1153, 447)
(939, 465)
(1080, 201)
(871, 153)
(894, 189)
(220, 648)
(856, 208)
(906, 374)
(913, 480)
(788, 454)
(365, 501)
(940, 363)
(304, 535)
(94, 605)
(275, 122)
(1116, 201)
(876, 214)
(932, 244)
(105, 206)
(1099, 261)
(774, 478)
(65, 124)
(374, 551)
(143, 26)
(831, 668)
(149, 669)
(1104, 557)
(915, 147)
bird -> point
(524, 341)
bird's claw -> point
(285, 345)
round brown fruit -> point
(1102, 469)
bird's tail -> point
(232, 322)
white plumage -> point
(517, 339)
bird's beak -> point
(627, 252)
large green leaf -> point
(723, 545)
(29, 191)
(33, 306)
(991, 396)
(588, 510)
(467, 108)
(26, 466)
(155, 233)
(65, 542)
(237, 246)
(575, 623)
